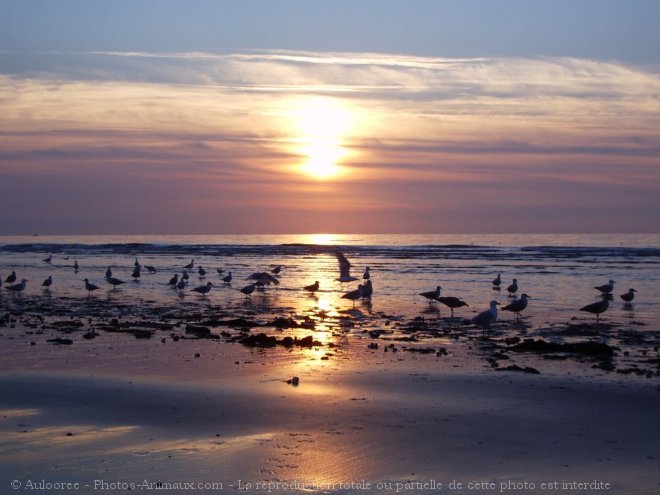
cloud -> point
(425, 135)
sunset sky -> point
(297, 116)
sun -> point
(321, 125)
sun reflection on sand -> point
(17, 413)
(37, 442)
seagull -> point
(136, 273)
(190, 265)
(513, 288)
(137, 264)
(598, 307)
(108, 272)
(276, 270)
(497, 282)
(174, 280)
(227, 278)
(628, 296)
(366, 275)
(203, 289)
(517, 306)
(90, 287)
(150, 269)
(263, 278)
(202, 272)
(312, 288)
(367, 290)
(114, 282)
(354, 295)
(344, 268)
(11, 278)
(49, 259)
(248, 290)
(220, 271)
(452, 303)
(486, 318)
(184, 275)
(18, 287)
(76, 266)
(181, 284)
(48, 282)
(432, 295)
(607, 288)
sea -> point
(558, 272)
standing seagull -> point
(628, 296)
(136, 273)
(452, 303)
(312, 288)
(108, 272)
(513, 288)
(49, 259)
(137, 264)
(367, 290)
(150, 269)
(263, 278)
(48, 282)
(432, 295)
(598, 307)
(248, 290)
(497, 282)
(181, 284)
(202, 272)
(203, 289)
(354, 295)
(114, 282)
(366, 275)
(11, 278)
(517, 306)
(607, 288)
(76, 266)
(174, 280)
(190, 265)
(344, 268)
(276, 270)
(18, 288)
(89, 287)
(227, 278)
(486, 318)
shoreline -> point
(89, 333)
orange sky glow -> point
(284, 142)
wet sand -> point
(381, 426)
(384, 405)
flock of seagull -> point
(486, 318)
(364, 290)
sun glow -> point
(322, 125)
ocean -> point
(559, 272)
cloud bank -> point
(547, 144)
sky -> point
(292, 116)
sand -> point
(372, 426)
(120, 414)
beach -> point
(144, 387)
(395, 429)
